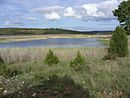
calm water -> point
(56, 42)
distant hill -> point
(36, 31)
(98, 32)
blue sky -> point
(70, 14)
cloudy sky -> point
(70, 14)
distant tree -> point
(123, 14)
(118, 44)
(50, 58)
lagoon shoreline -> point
(10, 38)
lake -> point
(54, 42)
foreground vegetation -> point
(30, 76)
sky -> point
(82, 15)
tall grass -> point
(33, 54)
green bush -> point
(118, 44)
(2, 70)
(78, 63)
(50, 58)
(6, 72)
(1, 60)
(12, 72)
(110, 56)
(2, 67)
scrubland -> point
(101, 78)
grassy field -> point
(102, 79)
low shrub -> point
(2, 70)
(2, 67)
(78, 63)
(1, 60)
(50, 58)
(12, 72)
(6, 72)
(110, 56)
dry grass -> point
(30, 54)
(94, 57)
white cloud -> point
(122, 0)
(50, 13)
(52, 16)
(11, 23)
(95, 11)
(31, 18)
(47, 10)
(109, 4)
(92, 10)
(69, 12)
(100, 11)
(8, 23)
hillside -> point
(36, 31)
(25, 31)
